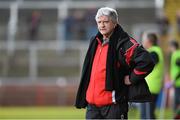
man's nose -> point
(102, 25)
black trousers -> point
(113, 111)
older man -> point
(104, 82)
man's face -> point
(145, 42)
(105, 25)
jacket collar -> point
(117, 34)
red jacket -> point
(96, 93)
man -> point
(34, 24)
(175, 71)
(104, 82)
(154, 79)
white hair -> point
(106, 11)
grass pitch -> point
(58, 113)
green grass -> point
(41, 112)
(58, 113)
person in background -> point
(34, 24)
(69, 23)
(103, 89)
(91, 23)
(79, 25)
(154, 79)
(175, 71)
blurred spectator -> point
(33, 25)
(178, 21)
(154, 79)
(69, 27)
(74, 26)
(79, 25)
(163, 25)
(175, 71)
(91, 23)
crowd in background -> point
(80, 24)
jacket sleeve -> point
(155, 57)
(141, 63)
(138, 60)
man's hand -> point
(126, 80)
